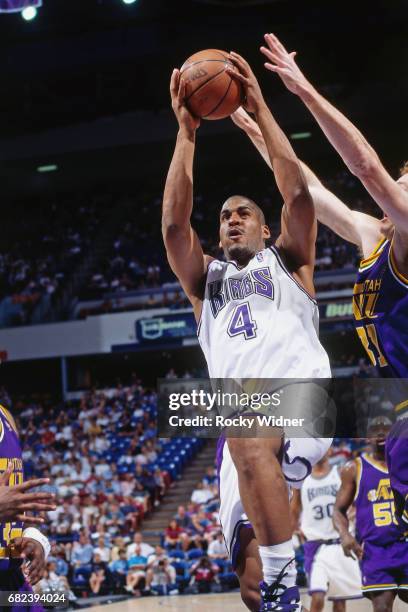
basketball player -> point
(23, 553)
(330, 573)
(379, 544)
(257, 319)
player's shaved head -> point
(238, 200)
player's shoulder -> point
(350, 470)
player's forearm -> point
(289, 176)
(178, 192)
(341, 522)
(348, 141)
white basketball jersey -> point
(258, 322)
(318, 499)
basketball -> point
(211, 93)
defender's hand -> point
(253, 94)
(351, 547)
(34, 558)
(178, 93)
(15, 501)
(283, 63)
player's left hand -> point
(34, 558)
(253, 94)
(283, 63)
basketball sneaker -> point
(279, 597)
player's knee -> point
(249, 454)
(250, 596)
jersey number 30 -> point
(242, 322)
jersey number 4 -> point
(242, 322)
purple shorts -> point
(12, 579)
(396, 450)
(384, 568)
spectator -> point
(99, 581)
(138, 547)
(217, 548)
(203, 573)
(173, 534)
(119, 569)
(82, 553)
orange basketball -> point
(210, 91)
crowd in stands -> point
(42, 245)
(45, 242)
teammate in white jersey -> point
(261, 298)
(330, 573)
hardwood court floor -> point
(208, 603)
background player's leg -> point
(317, 602)
(264, 494)
(382, 601)
(249, 569)
(339, 606)
(403, 595)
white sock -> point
(274, 558)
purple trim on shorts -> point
(237, 546)
(310, 549)
(316, 591)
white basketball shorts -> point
(299, 456)
(335, 574)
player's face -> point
(378, 434)
(241, 231)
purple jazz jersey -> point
(374, 502)
(10, 452)
(384, 565)
(380, 307)
(397, 460)
(11, 576)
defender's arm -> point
(348, 141)
(184, 252)
(354, 226)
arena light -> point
(300, 135)
(129, 1)
(29, 13)
(47, 168)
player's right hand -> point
(178, 93)
(15, 501)
(283, 63)
(351, 547)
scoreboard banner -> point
(16, 6)
(166, 327)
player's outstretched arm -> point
(184, 252)
(344, 500)
(351, 225)
(348, 141)
(298, 224)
